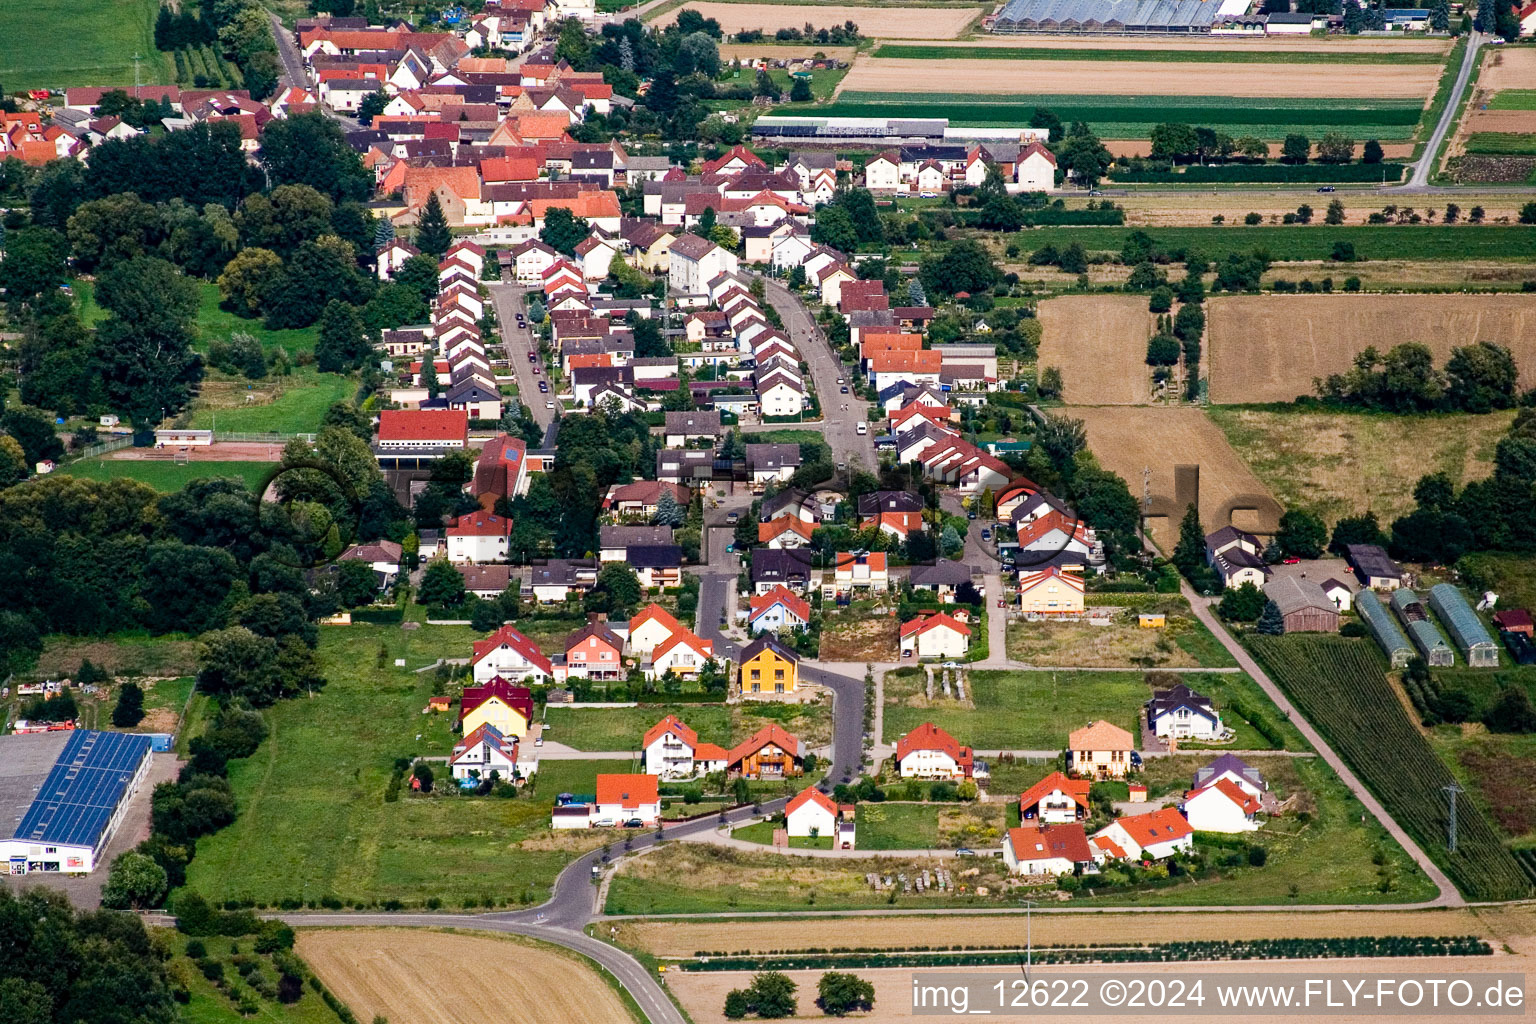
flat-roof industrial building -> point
(63, 795)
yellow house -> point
(497, 703)
(767, 666)
(652, 253)
(1050, 592)
(1100, 751)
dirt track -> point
(219, 451)
(1269, 348)
(1133, 78)
(1099, 342)
(415, 976)
(886, 22)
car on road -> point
(929, 195)
(549, 405)
(1290, 560)
(1327, 188)
(970, 515)
(544, 386)
(862, 428)
(839, 380)
(537, 368)
(732, 518)
(986, 534)
(845, 389)
(1000, 602)
(532, 358)
(842, 465)
(965, 851)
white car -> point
(862, 428)
(549, 405)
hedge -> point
(1230, 173)
(379, 616)
(1047, 217)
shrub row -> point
(1260, 722)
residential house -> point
(859, 570)
(929, 752)
(615, 542)
(639, 499)
(624, 799)
(685, 427)
(594, 652)
(776, 610)
(935, 635)
(767, 666)
(1220, 807)
(1047, 850)
(479, 537)
(499, 703)
(770, 462)
(652, 626)
(772, 568)
(693, 262)
(1055, 800)
(556, 580)
(1180, 713)
(942, 578)
(508, 654)
(383, 556)
(883, 173)
(1153, 836)
(501, 471)
(1237, 557)
(769, 753)
(1051, 591)
(484, 754)
(1100, 751)
(1233, 769)
(672, 750)
(1035, 168)
(682, 655)
(658, 566)
(1303, 604)
(485, 581)
(810, 813)
(786, 532)
(896, 513)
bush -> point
(1257, 855)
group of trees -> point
(1478, 378)
(238, 28)
(771, 996)
(1183, 143)
(846, 34)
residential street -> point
(520, 341)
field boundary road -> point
(1419, 180)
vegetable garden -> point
(1341, 687)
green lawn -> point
(623, 728)
(1018, 710)
(313, 819)
(1237, 689)
(214, 322)
(1513, 99)
(166, 476)
(762, 832)
(56, 43)
(300, 402)
(1311, 242)
(903, 826)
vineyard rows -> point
(1341, 687)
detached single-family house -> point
(767, 666)
(935, 635)
(929, 752)
(1100, 751)
(1047, 850)
(499, 703)
(768, 462)
(1180, 713)
(594, 651)
(769, 753)
(1233, 769)
(672, 750)
(1237, 557)
(1051, 591)
(509, 654)
(1221, 807)
(897, 513)
(777, 610)
(772, 568)
(1055, 800)
(1153, 836)
(478, 537)
(860, 570)
(810, 813)
(682, 655)
(942, 578)
(622, 799)
(484, 753)
(785, 533)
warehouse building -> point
(1379, 621)
(66, 793)
(1466, 629)
(1171, 17)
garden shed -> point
(1379, 621)
(1465, 627)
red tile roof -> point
(1077, 789)
(512, 638)
(518, 698)
(1233, 792)
(780, 595)
(671, 724)
(810, 795)
(1160, 826)
(930, 737)
(481, 524)
(1045, 842)
(684, 638)
(923, 623)
(424, 425)
(630, 792)
(657, 612)
(770, 733)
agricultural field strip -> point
(919, 51)
(1513, 99)
(1341, 687)
(1315, 242)
(1502, 143)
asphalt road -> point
(293, 69)
(1426, 165)
(520, 341)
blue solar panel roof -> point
(87, 781)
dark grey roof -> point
(889, 501)
(1167, 701)
(656, 556)
(1372, 560)
(625, 536)
(773, 456)
(770, 565)
(699, 422)
(943, 573)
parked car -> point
(1290, 560)
(845, 389)
(970, 515)
(604, 823)
(1327, 188)
(986, 534)
(537, 368)
(965, 851)
(634, 823)
(533, 357)
(549, 405)
(733, 518)
(862, 428)
(544, 386)
(1136, 759)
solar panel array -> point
(1091, 15)
(87, 781)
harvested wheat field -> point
(1266, 44)
(1517, 122)
(1341, 464)
(418, 976)
(1131, 440)
(1508, 68)
(784, 51)
(1269, 348)
(677, 938)
(886, 22)
(1099, 343)
(1133, 78)
(1142, 147)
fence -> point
(104, 447)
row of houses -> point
(934, 168)
(652, 640)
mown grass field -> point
(1128, 117)
(52, 44)
(1310, 242)
(1016, 710)
(166, 476)
(313, 819)
(1513, 99)
(1502, 143)
(919, 51)
(289, 405)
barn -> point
(1466, 629)
(1303, 605)
(1377, 619)
(67, 792)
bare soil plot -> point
(1509, 68)
(1122, 644)
(1336, 464)
(887, 22)
(1269, 348)
(1129, 441)
(1099, 342)
(1268, 44)
(408, 975)
(219, 451)
(685, 938)
(860, 639)
(784, 51)
(1516, 122)
(1132, 78)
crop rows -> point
(1309, 242)
(1502, 143)
(1342, 689)
(1253, 173)
(1513, 99)
(920, 51)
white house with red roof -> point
(935, 635)
(1047, 850)
(1221, 807)
(509, 654)
(1153, 836)
(882, 173)
(929, 752)
(672, 750)
(1055, 799)
(1035, 169)
(810, 813)
(651, 626)
(483, 752)
(623, 799)
(478, 537)
(530, 259)
(683, 654)
(860, 570)
(392, 255)
(777, 609)
(441, 429)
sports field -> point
(1270, 348)
(166, 475)
(1099, 343)
(408, 975)
(1132, 441)
(293, 404)
(888, 21)
(53, 44)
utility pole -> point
(136, 58)
(1450, 826)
